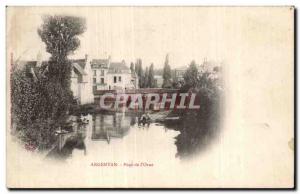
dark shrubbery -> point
(41, 96)
(199, 127)
(38, 107)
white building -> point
(88, 76)
(109, 75)
(81, 81)
(158, 80)
(179, 73)
(213, 68)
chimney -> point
(123, 61)
(86, 57)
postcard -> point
(150, 97)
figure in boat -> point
(145, 119)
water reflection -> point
(67, 142)
(100, 127)
(106, 127)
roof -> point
(133, 74)
(30, 63)
(118, 67)
(100, 62)
(80, 62)
(79, 68)
(158, 76)
(182, 68)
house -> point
(213, 68)
(108, 75)
(80, 77)
(158, 79)
(179, 73)
(120, 76)
(81, 81)
(99, 70)
(88, 76)
(207, 66)
(134, 79)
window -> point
(115, 79)
(95, 72)
(94, 80)
(120, 79)
(102, 72)
(102, 80)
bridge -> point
(144, 92)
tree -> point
(132, 67)
(191, 75)
(41, 96)
(146, 76)
(59, 33)
(139, 72)
(38, 107)
(167, 75)
(151, 81)
(200, 126)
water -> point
(118, 138)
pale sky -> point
(149, 33)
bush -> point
(39, 107)
(199, 127)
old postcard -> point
(150, 97)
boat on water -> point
(83, 119)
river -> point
(118, 137)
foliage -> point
(132, 67)
(146, 78)
(38, 107)
(191, 75)
(199, 127)
(41, 96)
(59, 33)
(139, 71)
(151, 81)
(167, 74)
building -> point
(99, 71)
(179, 73)
(207, 66)
(109, 75)
(81, 81)
(88, 76)
(158, 79)
(213, 68)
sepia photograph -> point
(150, 97)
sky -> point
(149, 33)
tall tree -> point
(60, 34)
(167, 74)
(191, 75)
(151, 81)
(131, 67)
(146, 76)
(139, 72)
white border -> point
(4, 3)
